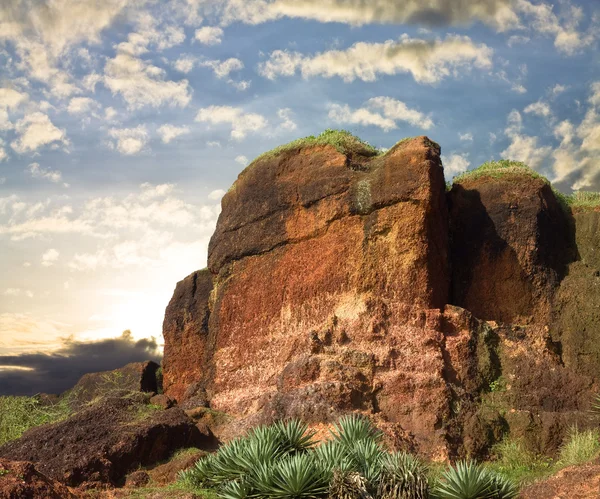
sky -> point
(123, 123)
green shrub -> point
(581, 447)
(18, 414)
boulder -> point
(20, 480)
(102, 443)
(134, 377)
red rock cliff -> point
(327, 290)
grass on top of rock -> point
(583, 200)
(284, 461)
(498, 169)
(19, 414)
(344, 141)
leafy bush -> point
(581, 447)
(282, 461)
(18, 414)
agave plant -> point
(352, 428)
(236, 490)
(466, 480)
(502, 487)
(366, 458)
(348, 485)
(331, 456)
(296, 477)
(403, 476)
(200, 475)
(295, 436)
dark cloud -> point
(58, 371)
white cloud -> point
(241, 123)
(169, 132)
(287, 123)
(383, 112)
(50, 257)
(216, 195)
(539, 109)
(209, 35)
(523, 147)
(466, 137)
(222, 69)
(141, 83)
(426, 61)
(242, 160)
(36, 130)
(16, 292)
(558, 89)
(3, 155)
(517, 40)
(110, 113)
(10, 100)
(185, 63)
(497, 13)
(455, 164)
(37, 171)
(2, 180)
(82, 105)
(129, 140)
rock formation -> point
(340, 280)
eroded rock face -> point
(19, 480)
(328, 290)
(511, 244)
(576, 322)
(185, 330)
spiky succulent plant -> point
(296, 477)
(348, 485)
(352, 428)
(467, 480)
(403, 476)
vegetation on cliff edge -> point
(344, 141)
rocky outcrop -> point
(574, 482)
(185, 330)
(134, 377)
(20, 480)
(511, 243)
(352, 282)
(99, 445)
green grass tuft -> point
(518, 464)
(584, 200)
(19, 414)
(342, 140)
(580, 448)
